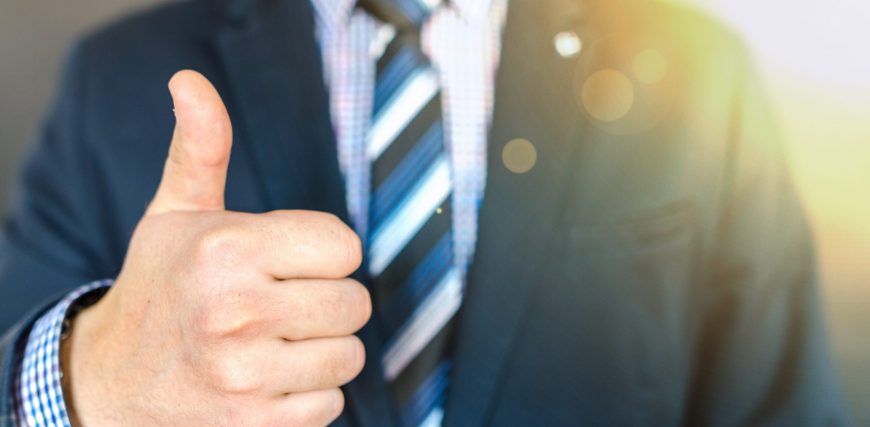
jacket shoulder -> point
(172, 23)
(689, 35)
(134, 57)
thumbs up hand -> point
(219, 318)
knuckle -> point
(334, 366)
(348, 243)
(359, 304)
(333, 404)
(324, 407)
(344, 242)
(341, 364)
(358, 356)
(351, 247)
(224, 315)
(218, 245)
(229, 375)
(347, 362)
(235, 416)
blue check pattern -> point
(40, 393)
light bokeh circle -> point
(519, 156)
(650, 66)
(608, 95)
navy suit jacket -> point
(655, 270)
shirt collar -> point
(338, 12)
(471, 10)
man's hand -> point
(219, 318)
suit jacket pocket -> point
(635, 277)
(637, 230)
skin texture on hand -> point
(219, 318)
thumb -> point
(195, 173)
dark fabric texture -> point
(655, 270)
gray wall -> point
(34, 37)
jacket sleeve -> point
(54, 238)
(764, 357)
(51, 243)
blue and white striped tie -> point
(417, 287)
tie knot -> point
(404, 14)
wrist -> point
(66, 383)
(80, 363)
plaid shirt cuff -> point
(40, 393)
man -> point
(571, 212)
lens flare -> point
(519, 156)
(650, 66)
(608, 95)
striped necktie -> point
(417, 287)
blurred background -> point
(815, 61)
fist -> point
(219, 318)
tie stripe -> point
(427, 321)
(409, 387)
(405, 171)
(417, 286)
(394, 68)
(409, 216)
(403, 92)
(434, 418)
(398, 306)
(415, 94)
(429, 395)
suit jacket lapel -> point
(534, 102)
(275, 74)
